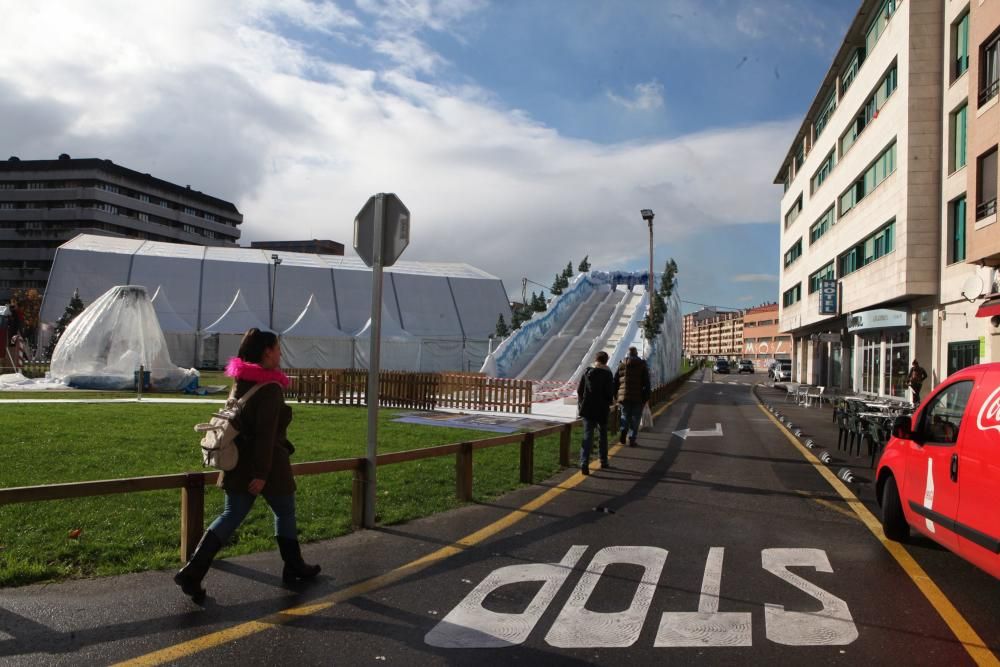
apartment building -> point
(710, 333)
(762, 341)
(44, 203)
(861, 210)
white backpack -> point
(218, 445)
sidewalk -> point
(817, 424)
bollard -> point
(528, 458)
(192, 513)
(564, 441)
(463, 472)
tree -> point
(568, 271)
(668, 280)
(519, 315)
(538, 302)
(557, 286)
(502, 330)
(28, 304)
(584, 265)
(74, 308)
(652, 324)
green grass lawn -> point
(206, 379)
(51, 443)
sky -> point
(521, 134)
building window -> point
(793, 212)
(847, 78)
(986, 187)
(144, 217)
(869, 110)
(826, 273)
(821, 226)
(793, 253)
(822, 173)
(793, 295)
(800, 155)
(989, 68)
(190, 211)
(36, 185)
(959, 137)
(143, 197)
(956, 222)
(962, 355)
(826, 114)
(960, 38)
(872, 248)
(884, 165)
(878, 26)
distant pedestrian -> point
(595, 394)
(916, 380)
(263, 467)
(632, 389)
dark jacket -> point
(632, 381)
(263, 444)
(595, 393)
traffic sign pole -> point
(374, 349)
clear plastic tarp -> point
(105, 346)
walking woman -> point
(263, 467)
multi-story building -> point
(315, 246)
(762, 341)
(44, 203)
(709, 333)
(861, 212)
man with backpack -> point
(594, 397)
(632, 387)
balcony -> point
(988, 92)
(986, 209)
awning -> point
(989, 308)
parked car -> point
(780, 370)
(940, 471)
(746, 366)
(721, 366)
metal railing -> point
(986, 209)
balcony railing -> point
(986, 209)
(989, 92)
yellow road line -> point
(970, 640)
(220, 637)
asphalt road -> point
(721, 544)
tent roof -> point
(238, 318)
(390, 328)
(314, 322)
(170, 321)
(109, 244)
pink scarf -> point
(244, 370)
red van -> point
(940, 471)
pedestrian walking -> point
(916, 380)
(263, 467)
(595, 394)
(632, 389)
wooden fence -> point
(416, 391)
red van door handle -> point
(954, 467)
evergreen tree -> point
(568, 271)
(557, 286)
(74, 308)
(668, 280)
(538, 303)
(584, 265)
(502, 330)
(519, 315)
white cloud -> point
(209, 94)
(755, 278)
(645, 97)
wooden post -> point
(358, 499)
(463, 472)
(192, 513)
(528, 458)
(564, 439)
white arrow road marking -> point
(686, 433)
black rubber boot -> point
(190, 576)
(295, 568)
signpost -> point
(381, 234)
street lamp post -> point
(647, 215)
(274, 281)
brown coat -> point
(263, 443)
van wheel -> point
(893, 522)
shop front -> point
(882, 344)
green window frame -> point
(851, 72)
(871, 178)
(956, 251)
(959, 137)
(962, 355)
(872, 248)
(821, 226)
(800, 155)
(877, 26)
(792, 295)
(794, 252)
(824, 116)
(826, 273)
(793, 212)
(961, 37)
(870, 109)
(823, 172)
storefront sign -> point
(828, 297)
(881, 318)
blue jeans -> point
(631, 414)
(238, 506)
(588, 440)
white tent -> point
(314, 341)
(400, 350)
(221, 339)
(179, 334)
